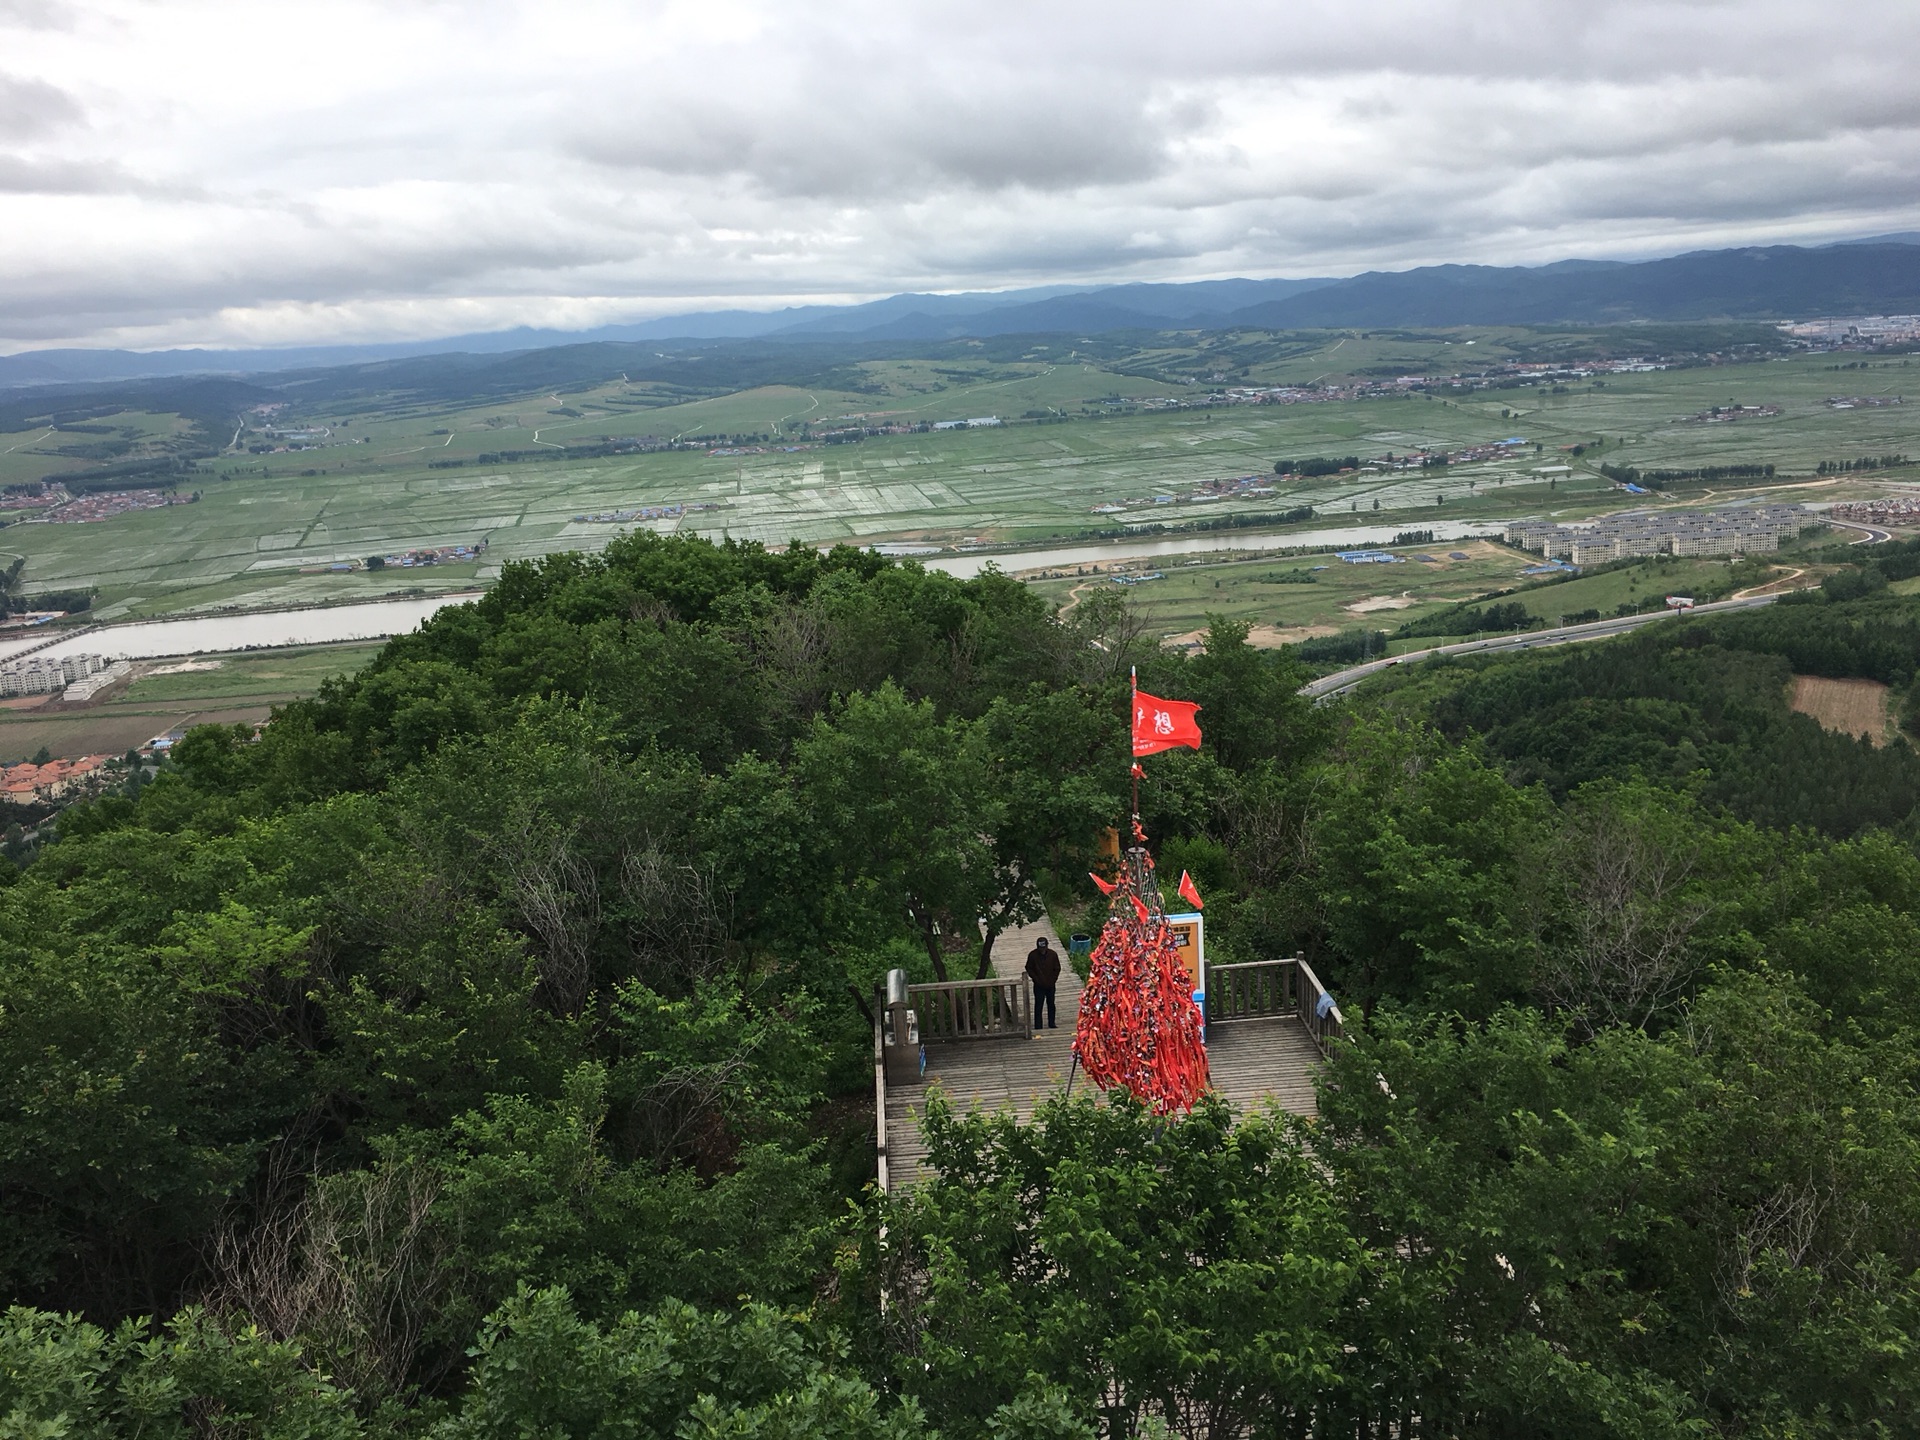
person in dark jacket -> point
(1043, 969)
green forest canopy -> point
(482, 1050)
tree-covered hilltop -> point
(484, 1049)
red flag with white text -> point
(1163, 724)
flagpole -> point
(1133, 765)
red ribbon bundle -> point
(1138, 1027)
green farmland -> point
(392, 470)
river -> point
(219, 634)
(222, 634)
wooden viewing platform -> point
(1264, 1040)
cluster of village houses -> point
(1743, 530)
(1892, 510)
(61, 782)
(1842, 329)
(57, 780)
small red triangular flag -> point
(1140, 909)
(1106, 886)
(1190, 892)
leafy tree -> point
(1419, 854)
(540, 1369)
(900, 799)
(1051, 758)
(129, 1115)
(1250, 698)
(1196, 1271)
(1641, 1235)
(61, 1376)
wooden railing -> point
(1250, 991)
(1258, 989)
(974, 1009)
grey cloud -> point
(32, 108)
(894, 136)
(35, 15)
(21, 175)
(865, 147)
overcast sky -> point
(188, 172)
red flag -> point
(1163, 724)
(1106, 886)
(1190, 892)
(1146, 916)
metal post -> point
(901, 1032)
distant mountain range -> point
(1776, 282)
(1049, 308)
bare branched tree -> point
(352, 1263)
(790, 647)
(651, 610)
(402, 906)
(556, 896)
(10, 586)
(1271, 834)
(963, 658)
(1614, 912)
(1784, 1224)
(687, 1105)
(681, 918)
(1109, 636)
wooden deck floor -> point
(1251, 1060)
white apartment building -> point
(1740, 530)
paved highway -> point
(1342, 681)
(1870, 534)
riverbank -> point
(256, 630)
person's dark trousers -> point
(1043, 1000)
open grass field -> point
(242, 687)
(1851, 707)
(253, 674)
(1273, 596)
(1290, 598)
(44, 450)
(383, 478)
(1629, 585)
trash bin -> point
(900, 1034)
(1080, 944)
